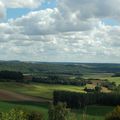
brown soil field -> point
(12, 96)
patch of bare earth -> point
(12, 96)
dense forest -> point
(58, 68)
(78, 100)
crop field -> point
(114, 79)
(33, 97)
(103, 76)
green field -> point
(46, 91)
(93, 112)
(114, 79)
(38, 90)
(27, 106)
(103, 76)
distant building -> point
(89, 89)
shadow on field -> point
(28, 103)
(95, 110)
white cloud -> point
(50, 21)
(73, 31)
(5, 4)
(22, 3)
(77, 46)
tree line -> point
(80, 100)
(116, 75)
(14, 76)
(7, 76)
(54, 79)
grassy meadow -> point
(38, 90)
(103, 76)
(45, 91)
(92, 112)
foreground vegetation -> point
(92, 112)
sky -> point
(60, 30)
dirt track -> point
(12, 96)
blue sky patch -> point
(111, 22)
(18, 12)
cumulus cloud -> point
(70, 16)
(86, 9)
(73, 31)
(50, 21)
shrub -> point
(16, 114)
(35, 116)
(98, 88)
(58, 112)
(114, 115)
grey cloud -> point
(2, 10)
(50, 21)
(91, 8)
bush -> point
(16, 114)
(35, 116)
(58, 112)
(98, 88)
(114, 115)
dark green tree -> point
(98, 88)
(58, 112)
